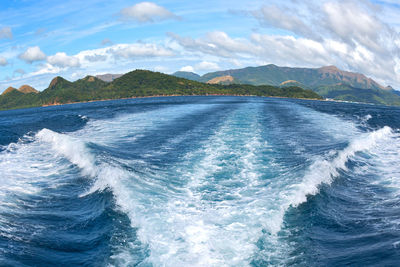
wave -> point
(217, 212)
(26, 167)
(157, 210)
(324, 171)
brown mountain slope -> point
(27, 89)
(352, 78)
(9, 89)
(222, 79)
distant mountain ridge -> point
(321, 80)
(275, 75)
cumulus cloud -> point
(32, 54)
(187, 68)
(349, 34)
(104, 59)
(201, 67)
(214, 43)
(288, 50)
(207, 66)
(3, 61)
(352, 22)
(6, 33)
(282, 18)
(63, 60)
(147, 12)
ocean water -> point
(200, 181)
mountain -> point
(8, 90)
(137, 83)
(187, 75)
(340, 84)
(108, 77)
(26, 89)
(311, 77)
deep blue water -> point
(200, 181)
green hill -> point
(327, 81)
(137, 83)
(348, 93)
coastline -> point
(125, 98)
(134, 97)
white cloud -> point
(45, 68)
(162, 69)
(187, 68)
(283, 18)
(352, 22)
(139, 50)
(6, 33)
(207, 66)
(288, 50)
(203, 66)
(350, 34)
(102, 60)
(147, 12)
(96, 58)
(63, 60)
(3, 61)
(214, 43)
(32, 54)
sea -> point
(200, 181)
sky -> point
(41, 39)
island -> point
(137, 83)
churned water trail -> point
(203, 181)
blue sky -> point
(41, 39)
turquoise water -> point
(200, 181)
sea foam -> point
(324, 171)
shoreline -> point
(134, 97)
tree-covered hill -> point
(138, 83)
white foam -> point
(130, 127)
(26, 168)
(77, 152)
(70, 148)
(323, 171)
(192, 229)
(193, 225)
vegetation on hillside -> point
(138, 83)
(348, 93)
(329, 82)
